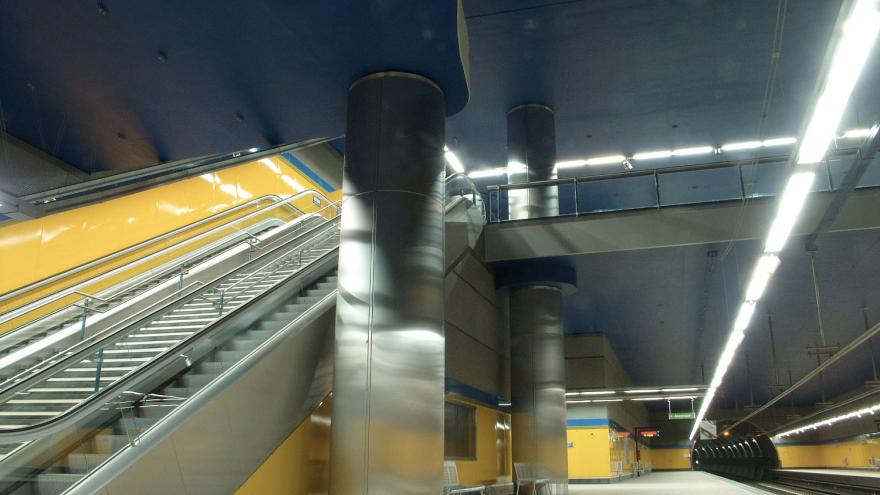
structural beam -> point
(668, 227)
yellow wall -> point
(670, 459)
(285, 471)
(855, 453)
(493, 456)
(300, 465)
(35, 249)
(590, 453)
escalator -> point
(27, 346)
(208, 381)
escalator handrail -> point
(32, 306)
(100, 398)
(85, 347)
(89, 264)
(123, 458)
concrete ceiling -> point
(123, 85)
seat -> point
(524, 477)
(451, 484)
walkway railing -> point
(671, 186)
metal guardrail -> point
(76, 289)
(498, 195)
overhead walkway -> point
(220, 369)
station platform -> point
(677, 482)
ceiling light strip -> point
(858, 35)
(867, 411)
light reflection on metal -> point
(389, 346)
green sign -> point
(682, 415)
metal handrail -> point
(472, 189)
(97, 401)
(27, 308)
(89, 264)
(79, 350)
(494, 191)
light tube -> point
(830, 421)
(488, 172)
(744, 317)
(746, 145)
(857, 39)
(778, 141)
(651, 155)
(652, 391)
(570, 164)
(790, 205)
(453, 160)
(761, 276)
(699, 150)
(856, 133)
(605, 160)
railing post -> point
(99, 359)
(577, 204)
(742, 184)
(657, 187)
(82, 328)
(222, 297)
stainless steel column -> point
(537, 382)
(531, 156)
(387, 433)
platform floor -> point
(669, 483)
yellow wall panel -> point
(589, 455)
(670, 459)
(286, 471)
(35, 249)
(488, 465)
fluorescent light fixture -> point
(682, 397)
(644, 399)
(744, 317)
(698, 150)
(830, 421)
(856, 133)
(598, 392)
(605, 160)
(586, 401)
(746, 145)
(790, 205)
(652, 155)
(488, 172)
(761, 276)
(570, 164)
(607, 400)
(253, 150)
(516, 167)
(652, 391)
(767, 143)
(453, 160)
(857, 39)
(685, 389)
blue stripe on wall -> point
(588, 422)
(302, 167)
(458, 388)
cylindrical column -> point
(387, 433)
(531, 156)
(537, 382)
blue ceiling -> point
(119, 84)
(638, 75)
(668, 311)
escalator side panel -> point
(213, 446)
